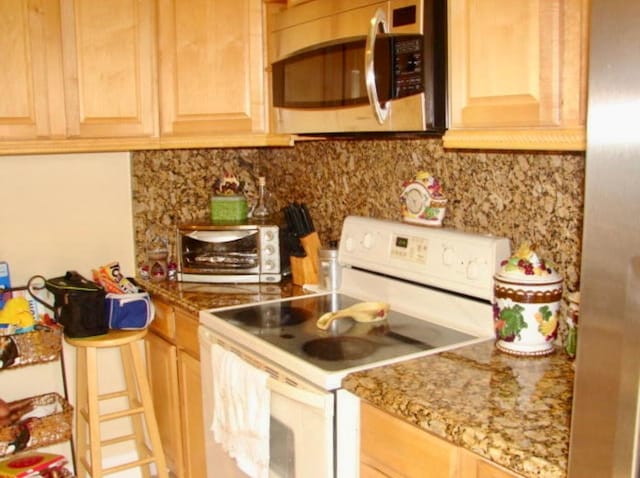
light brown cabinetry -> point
(173, 363)
(123, 75)
(76, 69)
(473, 466)
(517, 74)
(211, 67)
(393, 448)
(108, 50)
(31, 84)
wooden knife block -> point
(304, 270)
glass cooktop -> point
(290, 325)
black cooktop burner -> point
(270, 317)
(290, 325)
(339, 348)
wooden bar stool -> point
(136, 393)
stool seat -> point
(138, 409)
(113, 338)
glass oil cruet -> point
(261, 209)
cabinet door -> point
(163, 378)
(473, 466)
(211, 67)
(192, 416)
(109, 68)
(32, 98)
(517, 74)
(394, 448)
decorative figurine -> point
(422, 201)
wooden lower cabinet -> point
(173, 365)
(393, 448)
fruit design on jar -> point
(527, 293)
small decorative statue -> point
(422, 200)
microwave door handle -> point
(378, 20)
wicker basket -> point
(40, 345)
(28, 433)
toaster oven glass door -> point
(234, 251)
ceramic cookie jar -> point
(527, 294)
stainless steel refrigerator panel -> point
(604, 436)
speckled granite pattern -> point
(195, 297)
(537, 197)
(514, 411)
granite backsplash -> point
(525, 196)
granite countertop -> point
(514, 411)
(197, 296)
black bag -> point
(78, 305)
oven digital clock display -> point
(413, 249)
(402, 242)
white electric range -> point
(439, 285)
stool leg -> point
(81, 410)
(134, 402)
(93, 412)
(147, 404)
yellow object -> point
(17, 312)
(361, 312)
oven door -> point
(301, 441)
(220, 251)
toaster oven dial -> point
(270, 250)
(269, 265)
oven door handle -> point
(221, 236)
(317, 400)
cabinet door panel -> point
(511, 76)
(211, 61)
(192, 416)
(163, 378)
(109, 62)
(517, 74)
(31, 103)
(394, 448)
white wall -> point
(59, 213)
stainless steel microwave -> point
(359, 66)
(248, 253)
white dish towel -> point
(241, 411)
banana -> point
(360, 312)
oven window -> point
(282, 461)
(218, 253)
(330, 76)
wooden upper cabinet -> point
(31, 85)
(517, 74)
(211, 67)
(109, 52)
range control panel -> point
(444, 258)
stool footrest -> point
(123, 466)
(134, 410)
(112, 395)
(120, 439)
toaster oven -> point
(231, 253)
